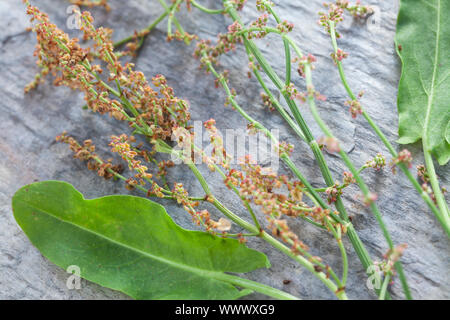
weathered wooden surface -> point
(29, 124)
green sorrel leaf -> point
(423, 34)
(130, 244)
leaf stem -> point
(435, 183)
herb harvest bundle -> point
(156, 115)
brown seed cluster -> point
(303, 62)
(219, 155)
(56, 52)
(277, 197)
(202, 217)
(125, 94)
(86, 152)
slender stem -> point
(351, 232)
(362, 186)
(337, 235)
(353, 170)
(278, 245)
(206, 10)
(286, 159)
(173, 19)
(236, 191)
(434, 181)
(144, 31)
(322, 276)
(445, 222)
(383, 291)
(255, 286)
(274, 101)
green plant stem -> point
(274, 101)
(354, 171)
(145, 30)
(206, 10)
(284, 156)
(337, 235)
(281, 247)
(359, 247)
(383, 291)
(172, 19)
(255, 286)
(434, 181)
(319, 155)
(443, 219)
(253, 229)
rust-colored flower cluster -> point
(261, 22)
(219, 155)
(335, 14)
(267, 101)
(277, 196)
(302, 62)
(339, 55)
(355, 106)
(125, 94)
(330, 143)
(239, 4)
(122, 146)
(86, 153)
(422, 173)
(205, 51)
(261, 5)
(390, 258)
(285, 26)
(202, 217)
(336, 10)
(403, 157)
(56, 52)
(334, 192)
